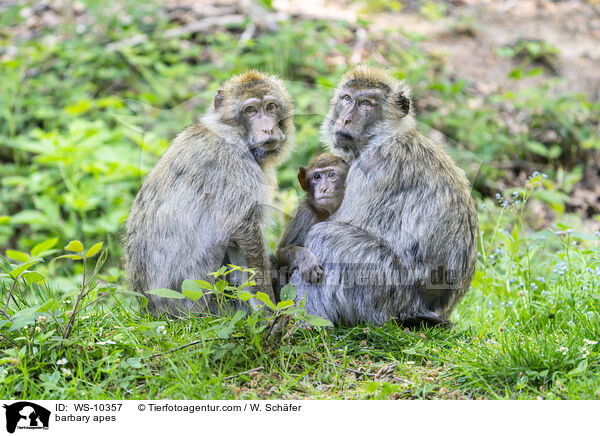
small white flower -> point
(410, 362)
(62, 361)
(584, 352)
(588, 342)
(161, 330)
(563, 350)
(66, 371)
(67, 301)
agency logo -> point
(26, 415)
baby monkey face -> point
(327, 185)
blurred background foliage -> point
(92, 93)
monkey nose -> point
(268, 131)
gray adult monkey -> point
(403, 244)
(201, 206)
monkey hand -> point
(309, 267)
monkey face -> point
(358, 111)
(260, 118)
(368, 104)
(324, 181)
(259, 109)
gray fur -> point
(407, 212)
(201, 206)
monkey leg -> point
(364, 281)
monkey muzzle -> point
(344, 140)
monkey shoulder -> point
(299, 225)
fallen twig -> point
(174, 349)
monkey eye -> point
(271, 106)
(331, 174)
(346, 97)
(366, 103)
(250, 110)
(316, 176)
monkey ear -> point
(302, 177)
(403, 102)
(219, 99)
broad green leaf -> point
(43, 246)
(261, 296)
(245, 295)
(220, 285)
(192, 289)
(166, 293)
(191, 285)
(192, 295)
(4, 219)
(94, 250)
(19, 256)
(284, 304)
(33, 277)
(75, 246)
(204, 284)
(46, 306)
(25, 317)
(317, 321)
(22, 268)
(135, 362)
(288, 292)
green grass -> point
(81, 126)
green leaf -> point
(24, 317)
(261, 296)
(317, 321)
(192, 295)
(537, 148)
(134, 362)
(288, 292)
(220, 285)
(192, 290)
(33, 277)
(46, 306)
(284, 304)
(19, 256)
(192, 285)
(43, 246)
(204, 284)
(94, 250)
(166, 293)
(245, 295)
(70, 256)
(75, 246)
(22, 268)
(581, 368)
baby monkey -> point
(324, 183)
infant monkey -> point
(324, 183)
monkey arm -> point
(249, 239)
(292, 253)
